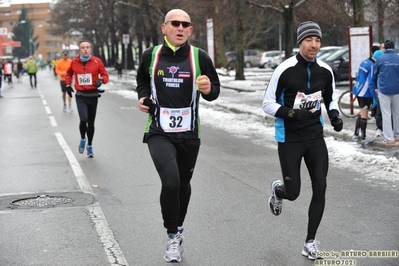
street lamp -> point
(30, 41)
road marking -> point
(48, 110)
(107, 238)
(52, 121)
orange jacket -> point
(86, 74)
(62, 67)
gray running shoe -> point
(367, 140)
(174, 248)
(64, 108)
(70, 109)
(275, 203)
(310, 250)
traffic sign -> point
(3, 31)
(125, 38)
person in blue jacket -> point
(366, 96)
(386, 77)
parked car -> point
(271, 59)
(327, 50)
(251, 58)
(339, 62)
(230, 59)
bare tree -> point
(287, 10)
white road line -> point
(107, 238)
(52, 121)
(48, 110)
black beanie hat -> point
(307, 29)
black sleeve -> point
(208, 69)
(143, 76)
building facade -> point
(39, 13)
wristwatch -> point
(291, 113)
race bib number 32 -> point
(175, 119)
(84, 79)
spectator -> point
(119, 67)
(366, 96)
(386, 77)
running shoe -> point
(90, 153)
(368, 139)
(275, 203)
(310, 250)
(81, 147)
(354, 138)
(174, 248)
(387, 142)
(70, 108)
(64, 108)
(378, 132)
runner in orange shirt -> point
(61, 69)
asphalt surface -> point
(105, 210)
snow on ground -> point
(240, 114)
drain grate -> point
(42, 201)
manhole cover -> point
(42, 201)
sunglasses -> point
(176, 23)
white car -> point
(271, 59)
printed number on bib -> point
(175, 119)
(310, 102)
(84, 79)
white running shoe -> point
(275, 203)
(64, 108)
(354, 138)
(174, 248)
(310, 250)
(70, 109)
(368, 139)
(378, 133)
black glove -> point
(337, 123)
(98, 83)
(299, 114)
(69, 90)
(148, 102)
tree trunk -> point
(239, 42)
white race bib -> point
(310, 102)
(175, 119)
(84, 79)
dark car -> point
(339, 62)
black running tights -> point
(175, 164)
(315, 155)
(87, 108)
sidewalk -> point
(255, 85)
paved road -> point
(114, 218)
